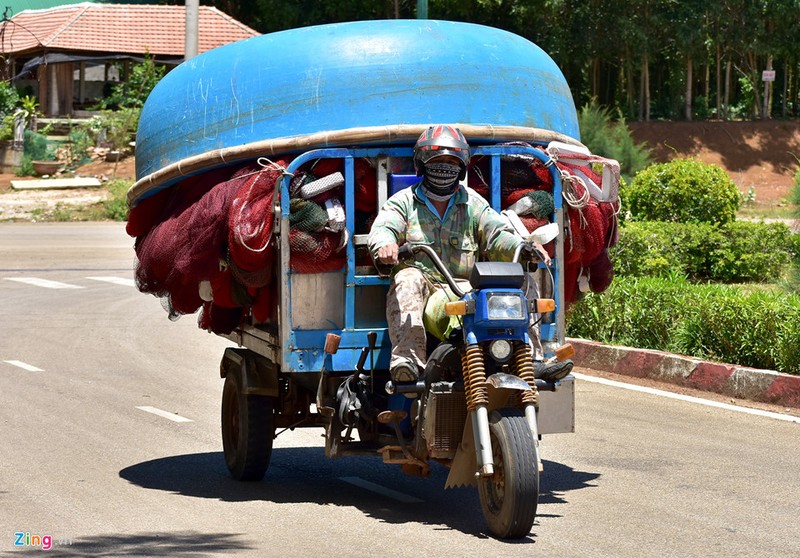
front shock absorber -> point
(474, 371)
(523, 362)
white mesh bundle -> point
(336, 217)
(321, 185)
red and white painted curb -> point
(736, 381)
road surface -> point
(110, 445)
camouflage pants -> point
(405, 303)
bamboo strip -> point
(400, 133)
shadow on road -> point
(185, 544)
(558, 479)
(304, 475)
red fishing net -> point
(209, 242)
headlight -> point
(500, 349)
(504, 307)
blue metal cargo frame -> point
(302, 349)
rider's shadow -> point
(304, 475)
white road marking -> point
(116, 280)
(23, 365)
(372, 487)
(46, 283)
(687, 398)
(165, 414)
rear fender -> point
(259, 375)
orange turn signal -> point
(542, 305)
(564, 352)
(458, 308)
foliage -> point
(115, 207)
(113, 129)
(133, 92)
(77, 147)
(9, 98)
(648, 51)
(613, 139)
(7, 128)
(794, 194)
(685, 191)
(748, 327)
(736, 252)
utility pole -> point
(192, 25)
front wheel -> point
(247, 430)
(509, 497)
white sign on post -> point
(768, 75)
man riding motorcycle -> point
(459, 225)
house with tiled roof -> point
(52, 49)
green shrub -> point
(613, 139)
(134, 91)
(9, 98)
(794, 193)
(749, 327)
(685, 191)
(7, 128)
(633, 311)
(741, 251)
(113, 129)
(116, 206)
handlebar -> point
(406, 251)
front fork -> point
(474, 371)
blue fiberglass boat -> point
(357, 83)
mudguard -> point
(500, 386)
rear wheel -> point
(247, 430)
(509, 498)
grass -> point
(113, 208)
(780, 211)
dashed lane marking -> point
(372, 487)
(23, 365)
(687, 398)
(164, 414)
(46, 283)
(116, 280)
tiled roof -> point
(117, 28)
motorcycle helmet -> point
(441, 140)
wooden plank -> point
(55, 183)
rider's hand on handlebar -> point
(535, 252)
(388, 254)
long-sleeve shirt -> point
(469, 230)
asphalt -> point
(767, 386)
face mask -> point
(441, 179)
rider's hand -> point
(388, 254)
(534, 252)
(543, 253)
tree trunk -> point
(786, 75)
(719, 81)
(644, 90)
(629, 81)
(752, 74)
(688, 101)
(727, 102)
(767, 92)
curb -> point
(766, 386)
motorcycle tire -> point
(247, 430)
(510, 496)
